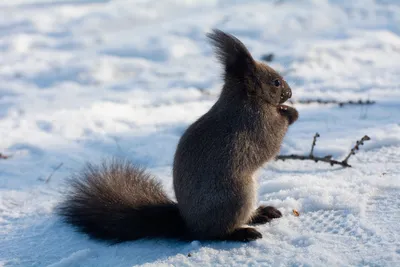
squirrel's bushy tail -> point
(117, 201)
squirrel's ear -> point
(232, 53)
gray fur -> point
(213, 171)
(117, 201)
(218, 155)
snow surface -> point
(85, 79)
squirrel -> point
(213, 169)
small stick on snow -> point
(2, 156)
(51, 174)
(356, 147)
(313, 144)
(327, 158)
(340, 103)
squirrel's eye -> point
(277, 83)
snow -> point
(85, 79)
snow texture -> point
(89, 79)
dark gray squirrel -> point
(213, 170)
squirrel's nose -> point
(286, 94)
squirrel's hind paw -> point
(265, 214)
(243, 235)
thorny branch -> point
(327, 158)
(356, 147)
(55, 169)
(340, 103)
(2, 156)
(313, 144)
(311, 101)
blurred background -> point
(89, 79)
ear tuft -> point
(232, 53)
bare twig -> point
(279, 2)
(205, 91)
(313, 144)
(268, 57)
(310, 101)
(327, 158)
(356, 147)
(51, 174)
(340, 103)
(2, 156)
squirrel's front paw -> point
(290, 113)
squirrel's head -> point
(257, 79)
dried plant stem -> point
(2, 156)
(327, 158)
(51, 174)
(340, 103)
(313, 144)
(356, 147)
